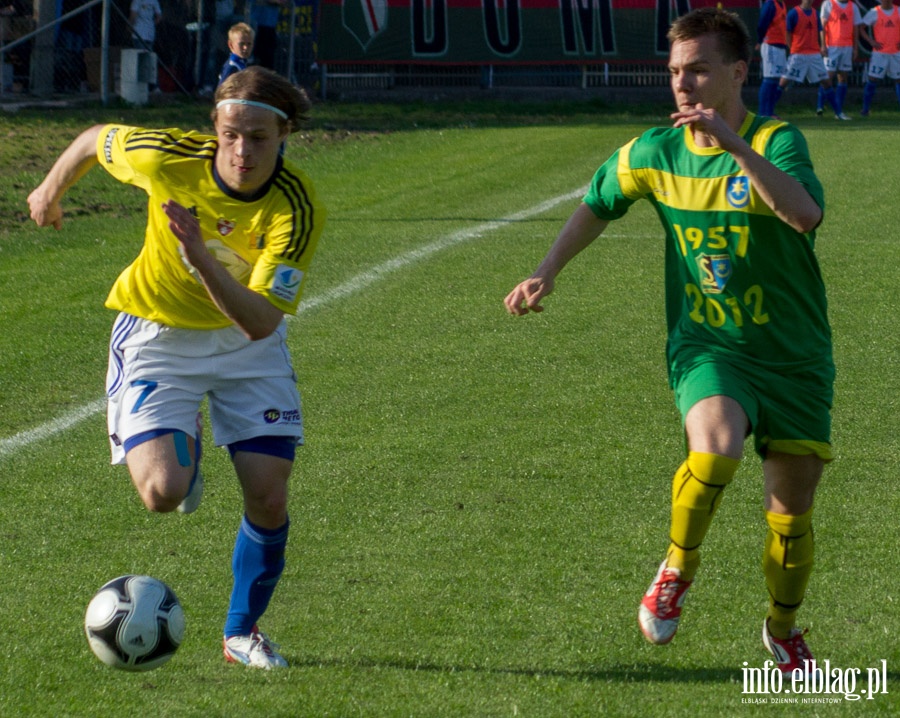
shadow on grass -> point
(464, 220)
(616, 673)
(633, 673)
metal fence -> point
(340, 79)
(337, 77)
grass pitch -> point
(482, 499)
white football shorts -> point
(839, 59)
(884, 64)
(159, 375)
(774, 60)
(806, 67)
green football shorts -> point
(789, 410)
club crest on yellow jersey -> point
(224, 226)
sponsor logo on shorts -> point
(278, 416)
(286, 282)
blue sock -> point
(897, 91)
(868, 95)
(763, 97)
(769, 90)
(841, 93)
(774, 95)
(820, 99)
(832, 100)
(779, 91)
(257, 563)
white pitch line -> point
(13, 443)
(354, 285)
(370, 276)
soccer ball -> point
(134, 623)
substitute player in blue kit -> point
(231, 231)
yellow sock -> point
(787, 565)
(696, 493)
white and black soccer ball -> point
(135, 623)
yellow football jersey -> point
(266, 241)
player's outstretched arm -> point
(582, 228)
(71, 166)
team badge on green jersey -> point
(715, 271)
(738, 192)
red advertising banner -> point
(504, 31)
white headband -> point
(253, 103)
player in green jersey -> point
(749, 344)
(231, 230)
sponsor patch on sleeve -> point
(286, 282)
(107, 144)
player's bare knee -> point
(161, 464)
(161, 490)
(159, 503)
(268, 510)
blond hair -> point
(260, 84)
(241, 28)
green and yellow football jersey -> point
(739, 281)
(266, 241)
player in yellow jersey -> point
(749, 345)
(231, 230)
